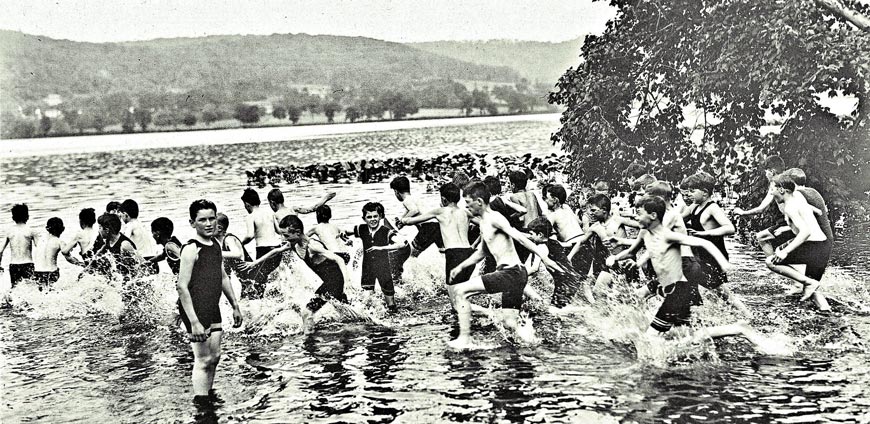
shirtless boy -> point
(510, 276)
(262, 227)
(276, 203)
(45, 255)
(84, 238)
(427, 232)
(201, 280)
(20, 239)
(138, 233)
(329, 234)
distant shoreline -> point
(93, 143)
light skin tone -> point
(374, 220)
(112, 237)
(281, 210)
(170, 249)
(566, 225)
(206, 344)
(260, 226)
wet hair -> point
(784, 181)
(477, 190)
(689, 182)
(20, 213)
(519, 179)
(773, 163)
(600, 200)
(87, 217)
(558, 192)
(541, 226)
(797, 175)
(460, 178)
(292, 222)
(661, 189)
(372, 207)
(401, 184)
(131, 208)
(223, 220)
(703, 181)
(634, 171)
(450, 192)
(163, 226)
(251, 197)
(653, 204)
(642, 181)
(601, 186)
(55, 226)
(323, 213)
(113, 206)
(110, 222)
(199, 205)
(275, 196)
(493, 184)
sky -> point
(392, 20)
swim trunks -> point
(707, 274)
(205, 286)
(510, 282)
(332, 278)
(344, 256)
(813, 254)
(779, 240)
(427, 233)
(675, 310)
(18, 272)
(44, 279)
(452, 258)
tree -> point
(480, 100)
(189, 119)
(143, 117)
(293, 113)
(44, 125)
(466, 104)
(330, 109)
(351, 114)
(166, 118)
(684, 85)
(128, 123)
(279, 112)
(247, 114)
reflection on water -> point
(73, 355)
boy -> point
(135, 230)
(509, 278)
(45, 255)
(113, 208)
(453, 224)
(565, 223)
(262, 227)
(708, 221)
(20, 240)
(524, 198)
(329, 234)
(276, 203)
(679, 293)
(377, 241)
(201, 280)
(161, 231)
(810, 246)
(564, 283)
(427, 232)
(85, 238)
(117, 245)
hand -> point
(399, 224)
(237, 317)
(454, 273)
(610, 261)
(373, 248)
(552, 264)
(779, 256)
(739, 211)
(727, 268)
(693, 232)
(197, 333)
(247, 266)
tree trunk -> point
(853, 16)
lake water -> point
(77, 354)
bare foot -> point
(809, 289)
(460, 343)
(587, 292)
(795, 291)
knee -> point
(769, 262)
(209, 360)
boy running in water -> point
(810, 248)
(45, 256)
(427, 232)
(85, 238)
(565, 284)
(138, 234)
(510, 276)
(708, 221)
(116, 245)
(262, 227)
(161, 231)
(679, 293)
(201, 280)
(377, 241)
(527, 199)
(329, 234)
(276, 203)
(20, 240)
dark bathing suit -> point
(333, 281)
(376, 264)
(174, 263)
(675, 310)
(205, 286)
(564, 284)
(232, 265)
(45, 279)
(705, 270)
(453, 257)
(510, 282)
(123, 261)
(18, 272)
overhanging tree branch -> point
(854, 17)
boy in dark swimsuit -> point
(377, 242)
(565, 284)
(161, 230)
(20, 240)
(201, 280)
(116, 245)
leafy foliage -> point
(683, 85)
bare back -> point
(264, 228)
(329, 235)
(45, 253)
(20, 239)
(497, 242)
(664, 255)
(796, 209)
(453, 222)
(565, 223)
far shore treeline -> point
(60, 87)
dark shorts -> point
(376, 266)
(565, 287)
(258, 276)
(780, 239)
(453, 257)
(344, 256)
(813, 254)
(45, 279)
(676, 309)
(427, 233)
(207, 315)
(510, 282)
(707, 274)
(18, 272)
(332, 287)
(397, 260)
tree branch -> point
(854, 17)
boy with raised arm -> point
(810, 248)
(276, 203)
(768, 239)
(85, 238)
(262, 227)
(201, 280)
(427, 232)
(20, 239)
(510, 276)
(679, 294)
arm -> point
(391, 246)
(69, 246)
(312, 231)
(188, 258)
(227, 288)
(518, 208)
(129, 249)
(235, 247)
(725, 228)
(416, 219)
(321, 202)
(802, 235)
(533, 264)
(687, 240)
(627, 252)
(501, 224)
(330, 256)
(475, 257)
(410, 209)
(3, 246)
(768, 199)
(250, 230)
(276, 251)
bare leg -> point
(764, 237)
(735, 301)
(463, 310)
(205, 359)
(761, 343)
(821, 302)
(531, 293)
